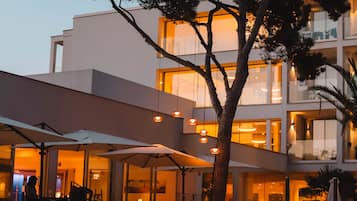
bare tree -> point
(275, 27)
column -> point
(116, 181)
(51, 173)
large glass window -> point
(255, 134)
(299, 90)
(350, 21)
(5, 152)
(26, 164)
(312, 135)
(179, 38)
(259, 88)
(140, 185)
(207, 187)
(5, 178)
(70, 169)
(99, 176)
(267, 187)
(5, 172)
(320, 27)
(351, 144)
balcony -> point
(350, 23)
(320, 27)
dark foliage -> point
(173, 9)
(335, 8)
(321, 182)
(284, 20)
(345, 103)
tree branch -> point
(257, 24)
(131, 20)
(242, 23)
(212, 89)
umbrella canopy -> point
(156, 156)
(333, 191)
(86, 140)
(15, 132)
(91, 140)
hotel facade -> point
(104, 77)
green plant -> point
(319, 184)
(345, 103)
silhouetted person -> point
(30, 189)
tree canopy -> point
(272, 24)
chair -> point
(98, 196)
(80, 193)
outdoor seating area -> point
(27, 137)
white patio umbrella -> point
(333, 191)
(158, 156)
(87, 140)
(92, 140)
(15, 132)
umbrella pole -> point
(335, 189)
(42, 154)
(155, 179)
(85, 168)
(183, 173)
(287, 188)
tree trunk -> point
(220, 171)
(225, 121)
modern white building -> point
(281, 128)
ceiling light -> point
(192, 121)
(157, 119)
(176, 114)
(214, 151)
(203, 140)
(247, 129)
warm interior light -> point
(157, 119)
(247, 129)
(192, 121)
(203, 132)
(176, 114)
(203, 140)
(214, 151)
(258, 138)
(258, 141)
(276, 98)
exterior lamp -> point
(176, 114)
(203, 132)
(157, 119)
(192, 122)
(214, 151)
(203, 140)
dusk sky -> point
(26, 28)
